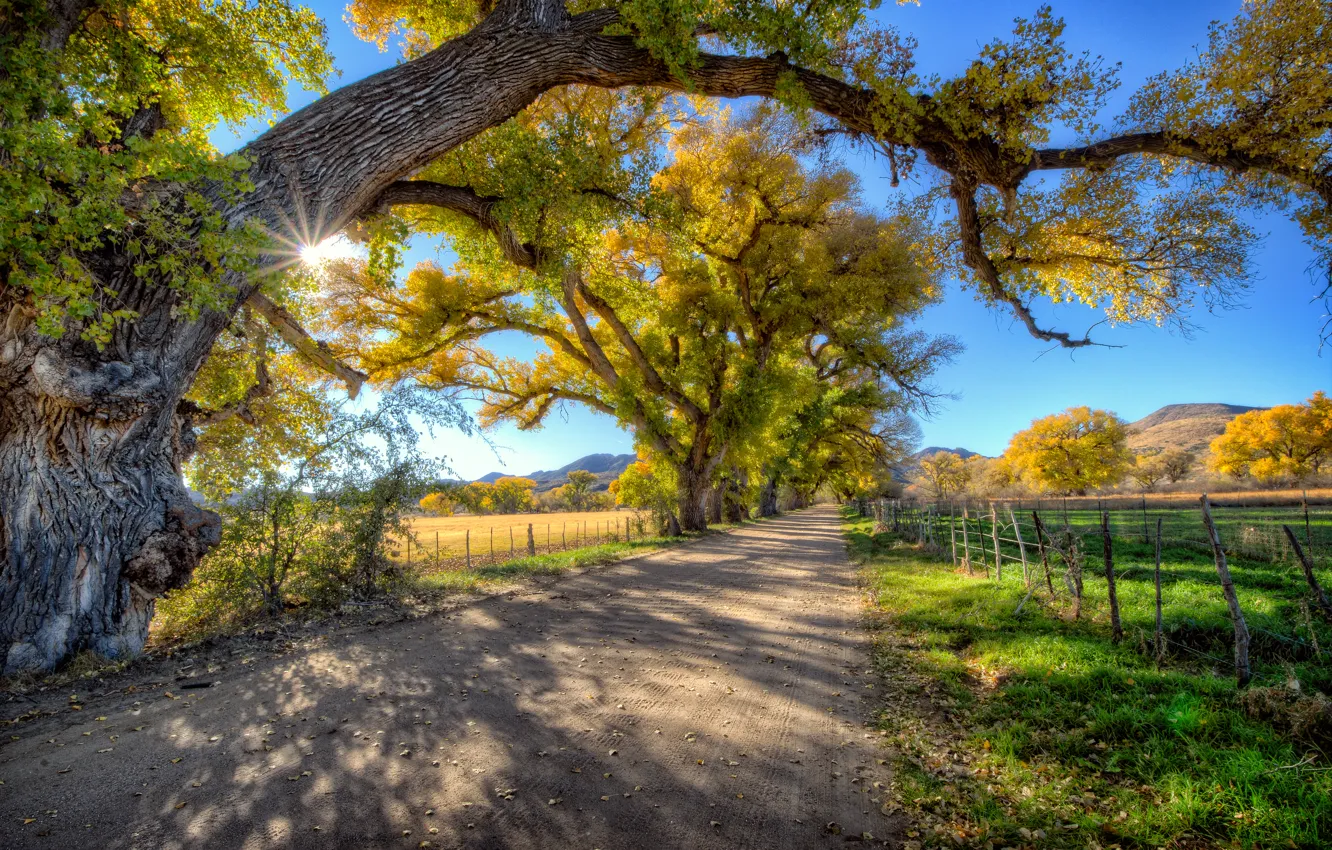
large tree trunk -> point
(768, 497)
(690, 497)
(715, 497)
(94, 520)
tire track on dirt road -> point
(713, 695)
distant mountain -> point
(1191, 427)
(607, 468)
(929, 450)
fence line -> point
(1064, 536)
(525, 539)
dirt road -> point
(708, 696)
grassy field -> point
(1035, 730)
(552, 531)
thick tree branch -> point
(976, 259)
(467, 202)
(298, 338)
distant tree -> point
(578, 492)
(511, 495)
(944, 473)
(439, 503)
(1071, 452)
(1148, 469)
(988, 476)
(1178, 464)
(1286, 442)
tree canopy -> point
(132, 253)
(1286, 442)
(1074, 451)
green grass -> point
(1065, 733)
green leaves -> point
(104, 145)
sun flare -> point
(337, 247)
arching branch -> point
(311, 349)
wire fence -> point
(434, 550)
(1052, 546)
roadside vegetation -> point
(1037, 730)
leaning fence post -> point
(1242, 671)
(1116, 627)
(1306, 561)
(952, 534)
(531, 541)
(980, 538)
(1040, 545)
(1160, 633)
(1022, 548)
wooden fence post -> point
(467, 541)
(998, 552)
(980, 538)
(436, 545)
(1145, 537)
(966, 540)
(409, 550)
(1242, 672)
(492, 543)
(1040, 545)
(952, 534)
(1306, 561)
(1022, 548)
(531, 541)
(1116, 627)
(564, 537)
(1160, 632)
(510, 541)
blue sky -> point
(1265, 352)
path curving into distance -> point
(713, 695)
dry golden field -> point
(509, 531)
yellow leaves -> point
(1289, 441)
(1072, 451)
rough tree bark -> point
(768, 497)
(690, 497)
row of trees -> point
(516, 495)
(137, 261)
(1082, 450)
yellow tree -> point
(945, 473)
(1289, 441)
(689, 326)
(511, 495)
(1149, 469)
(1074, 451)
(438, 504)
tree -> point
(945, 473)
(129, 244)
(1289, 441)
(1071, 452)
(578, 492)
(1178, 464)
(439, 503)
(1148, 469)
(510, 495)
(759, 265)
(648, 486)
